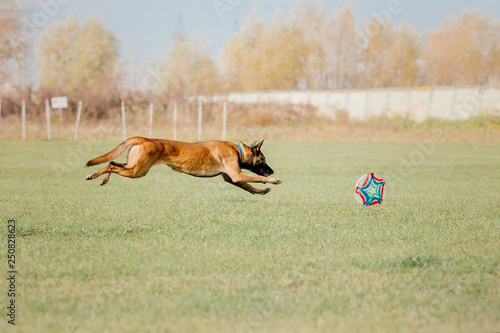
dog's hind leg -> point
(136, 166)
(246, 186)
(104, 181)
(107, 170)
(130, 172)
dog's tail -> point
(116, 152)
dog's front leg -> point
(246, 186)
(241, 177)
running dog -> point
(199, 159)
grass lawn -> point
(174, 253)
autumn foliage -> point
(314, 50)
(307, 49)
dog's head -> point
(258, 164)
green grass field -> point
(174, 253)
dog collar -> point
(241, 153)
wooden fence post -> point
(47, 115)
(78, 115)
(124, 122)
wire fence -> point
(416, 103)
(49, 115)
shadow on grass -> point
(413, 261)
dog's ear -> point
(257, 146)
(253, 144)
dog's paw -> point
(265, 191)
(103, 182)
(90, 177)
(273, 181)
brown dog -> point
(199, 159)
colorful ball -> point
(370, 190)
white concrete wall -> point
(417, 103)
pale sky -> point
(150, 24)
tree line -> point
(311, 49)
